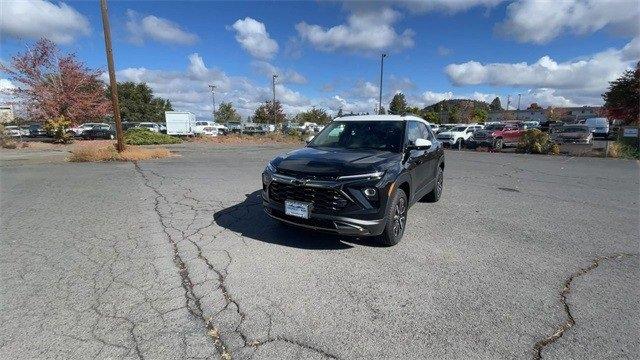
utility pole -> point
(213, 98)
(519, 96)
(112, 75)
(381, 70)
(273, 104)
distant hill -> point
(462, 105)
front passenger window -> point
(413, 132)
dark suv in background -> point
(358, 176)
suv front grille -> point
(323, 199)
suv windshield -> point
(494, 127)
(459, 129)
(378, 135)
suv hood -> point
(334, 162)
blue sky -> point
(327, 53)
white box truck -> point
(180, 122)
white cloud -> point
(285, 76)
(364, 31)
(445, 5)
(549, 97)
(253, 37)
(589, 74)
(443, 51)
(6, 85)
(365, 89)
(34, 19)
(430, 97)
(541, 21)
(158, 29)
(188, 89)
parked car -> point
(434, 127)
(497, 136)
(234, 127)
(457, 136)
(126, 125)
(254, 130)
(446, 127)
(151, 126)
(358, 177)
(24, 130)
(531, 124)
(13, 131)
(36, 130)
(576, 133)
(209, 128)
(598, 126)
(99, 131)
(547, 125)
(80, 129)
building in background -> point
(6, 114)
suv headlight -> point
(266, 174)
(270, 168)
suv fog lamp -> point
(370, 192)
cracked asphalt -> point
(174, 258)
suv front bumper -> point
(359, 217)
(327, 223)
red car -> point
(497, 136)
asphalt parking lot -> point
(175, 258)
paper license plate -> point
(297, 209)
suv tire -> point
(498, 145)
(435, 194)
(459, 144)
(396, 219)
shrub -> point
(622, 149)
(148, 137)
(57, 127)
(8, 144)
(535, 141)
(109, 153)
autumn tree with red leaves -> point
(51, 86)
(622, 99)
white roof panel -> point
(380, 118)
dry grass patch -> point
(109, 153)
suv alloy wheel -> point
(498, 145)
(396, 219)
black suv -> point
(358, 176)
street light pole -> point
(112, 75)
(213, 98)
(380, 95)
(519, 96)
(273, 104)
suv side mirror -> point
(420, 144)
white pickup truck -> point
(458, 135)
